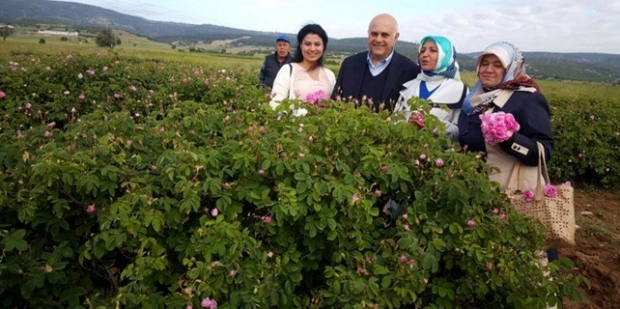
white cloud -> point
(548, 25)
(532, 25)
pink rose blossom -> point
(355, 198)
(378, 192)
(406, 226)
(498, 127)
(48, 68)
(48, 134)
(69, 56)
(550, 190)
(489, 265)
(439, 162)
(2, 94)
(91, 209)
(232, 273)
(267, 219)
(423, 156)
(417, 119)
(208, 303)
(117, 96)
(568, 183)
(495, 210)
(270, 254)
(502, 216)
(28, 105)
(403, 259)
(207, 82)
(471, 223)
(262, 172)
(405, 216)
(214, 212)
(105, 68)
(133, 88)
(316, 97)
(384, 168)
(189, 307)
(82, 96)
(529, 195)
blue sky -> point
(532, 25)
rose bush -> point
(198, 193)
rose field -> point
(141, 179)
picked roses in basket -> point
(498, 127)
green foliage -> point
(131, 183)
(6, 31)
(41, 41)
(587, 145)
(107, 38)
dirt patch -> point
(597, 253)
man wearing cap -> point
(273, 62)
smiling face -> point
(491, 71)
(382, 36)
(429, 55)
(312, 48)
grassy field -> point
(141, 47)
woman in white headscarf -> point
(439, 82)
(503, 86)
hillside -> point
(569, 66)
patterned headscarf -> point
(515, 77)
(446, 62)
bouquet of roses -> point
(316, 97)
(498, 127)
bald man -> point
(376, 75)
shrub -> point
(198, 190)
(41, 41)
(587, 147)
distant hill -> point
(571, 66)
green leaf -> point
(380, 270)
(386, 281)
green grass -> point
(147, 49)
(566, 89)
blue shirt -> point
(381, 65)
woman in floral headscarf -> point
(439, 82)
(503, 86)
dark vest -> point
(373, 86)
(271, 66)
